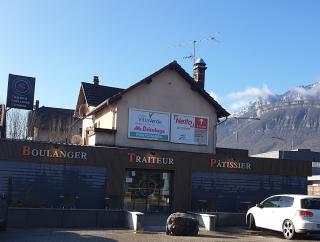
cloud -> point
(214, 95)
(250, 92)
(241, 99)
(236, 106)
(313, 92)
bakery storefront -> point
(50, 175)
(150, 147)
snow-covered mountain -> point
(290, 120)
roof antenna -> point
(194, 42)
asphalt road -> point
(112, 235)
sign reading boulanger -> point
(53, 153)
(20, 92)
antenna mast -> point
(193, 56)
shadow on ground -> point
(49, 235)
(269, 233)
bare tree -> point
(16, 124)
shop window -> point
(147, 191)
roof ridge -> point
(57, 108)
(221, 112)
(101, 85)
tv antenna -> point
(194, 42)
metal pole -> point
(237, 130)
(194, 51)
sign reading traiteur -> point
(189, 129)
(151, 125)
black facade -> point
(51, 175)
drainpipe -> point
(114, 121)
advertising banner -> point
(2, 113)
(20, 92)
(151, 125)
(189, 129)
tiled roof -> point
(96, 94)
(221, 112)
(44, 116)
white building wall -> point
(168, 92)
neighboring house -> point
(90, 96)
(121, 117)
(53, 125)
(300, 154)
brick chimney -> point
(36, 106)
(199, 71)
(95, 80)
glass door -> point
(147, 190)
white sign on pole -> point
(189, 129)
(151, 125)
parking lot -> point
(111, 235)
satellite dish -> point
(83, 109)
(76, 140)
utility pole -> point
(285, 141)
(237, 128)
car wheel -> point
(167, 231)
(251, 223)
(288, 229)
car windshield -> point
(310, 203)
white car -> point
(289, 214)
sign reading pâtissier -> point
(230, 164)
(20, 92)
(151, 125)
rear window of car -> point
(310, 203)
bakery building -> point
(151, 148)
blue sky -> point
(263, 46)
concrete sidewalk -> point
(234, 234)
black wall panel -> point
(226, 192)
(53, 185)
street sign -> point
(20, 92)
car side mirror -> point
(259, 205)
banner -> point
(20, 92)
(189, 129)
(151, 125)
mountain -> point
(287, 121)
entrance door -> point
(147, 190)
